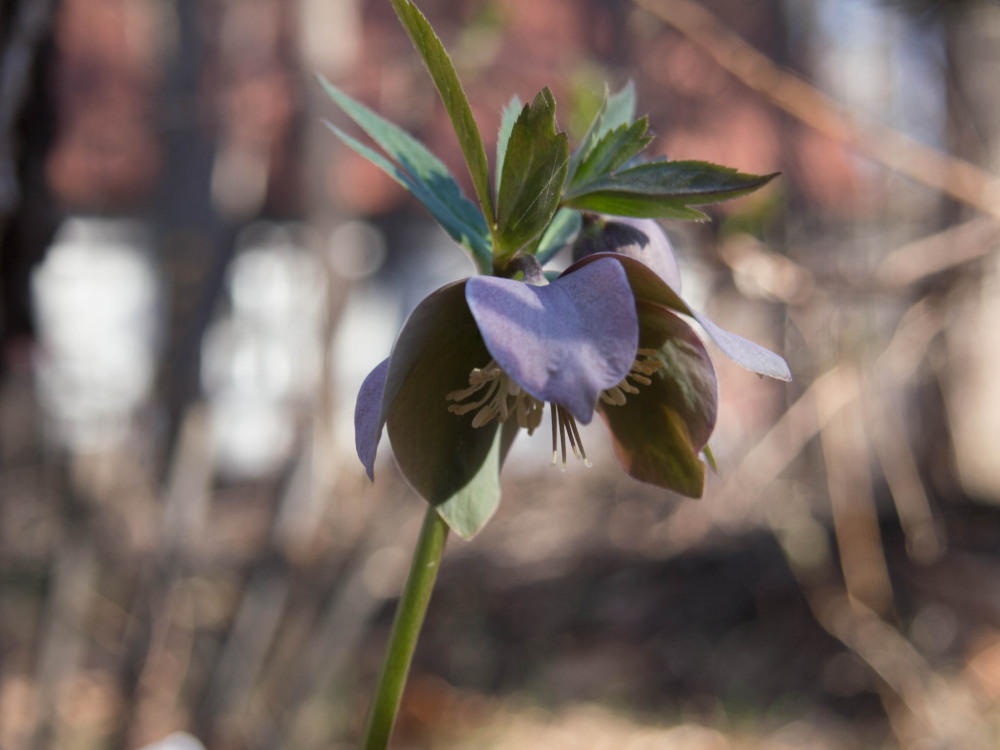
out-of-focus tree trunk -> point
(972, 38)
(27, 127)
(195, 245)
(195, 241)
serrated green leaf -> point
(686, 181)
(564, 226)
(465, 227)
(664, 189)
(613, 150)
(442, 71)
(617, 203)
(510, 114)
(534, 171)
(616, 110)
(589, 138)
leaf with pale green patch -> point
(534, 171)
(664, 189)
(634, 205)
(473, 504)
(620, 109)
(615, 111)
(442, 71)
(510, 115)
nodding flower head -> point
(483, 358)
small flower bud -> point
(642, 239)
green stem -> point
(405, 631)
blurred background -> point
(195, 277)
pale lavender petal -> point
(565, 342)
(647, 286)
(744, 352)
(642, 239)
(368, 420)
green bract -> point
(535, 162)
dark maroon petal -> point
(442, 456)
(642, 239)
(368, 422)
(565, 342)
(438, 346)
(659, 432)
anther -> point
(644, 365)
(495, 403)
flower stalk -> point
(405, 630)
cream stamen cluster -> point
(640, 372)
(503, 397)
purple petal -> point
(744, 352)
(368, 420)
(642, 239)
(647, 286)
(565, 342)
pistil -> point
(565, 424)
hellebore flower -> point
(481, 358)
